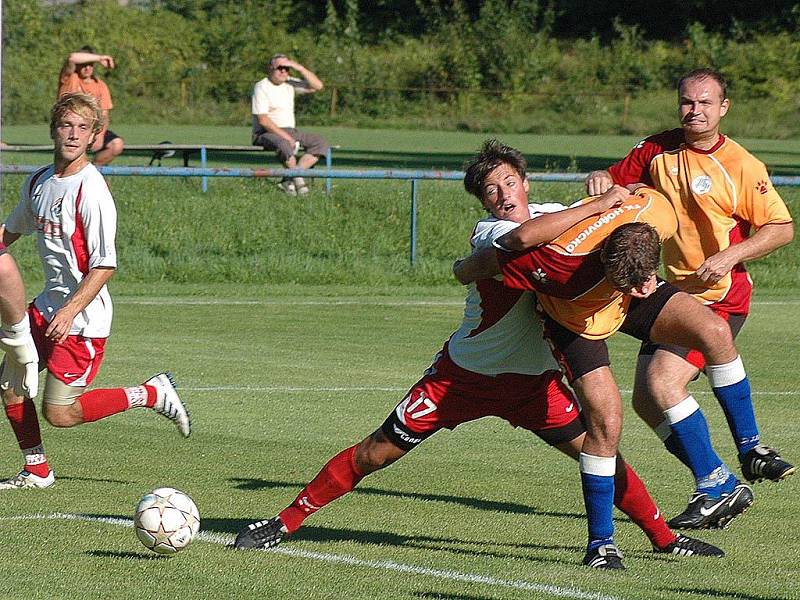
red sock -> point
(25, 425)
(99, 404)
(339, 476)
(632, 498)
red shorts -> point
(448, 395)
(75, 361)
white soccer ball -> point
(166, 520)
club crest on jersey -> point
(762, 187)
(539, 276)
(56, 207)
(701, 184)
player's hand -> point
(106, 61)
(598, 182)
(21, 369)
(615, 196)
(716, 267)
(59, 327)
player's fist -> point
(598, 182)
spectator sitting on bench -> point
(77, 75)
(274, 122)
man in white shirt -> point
(69, 209)
(274, 122)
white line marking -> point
(286, 302)
(381, 565)
(332, 302)
(291, 389)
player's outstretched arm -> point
(546, 228)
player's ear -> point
(526, 185)
(726, 104)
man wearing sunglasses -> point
(274, 121)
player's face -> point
(700, 107)
(505, 194)
(72, 136)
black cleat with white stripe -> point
(261, 535)
(686, 546)
(607, 556)
(763, 462)
(705, 512)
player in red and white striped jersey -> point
(69, 209)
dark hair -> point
(88, 49)
(492, 155)
(706, 73)
(631, 255)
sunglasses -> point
(283, 68)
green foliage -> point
(490, 66)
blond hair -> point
(80, 104)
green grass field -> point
(293, 327)
(280, 379)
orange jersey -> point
(93, 87)
(718, 195)
(567, 273)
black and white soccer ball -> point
(166, 520)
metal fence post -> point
(413, 222)
(329, 164)
(203, 166)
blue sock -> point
(597, 479)
(732, 389)
(692, 440)
(671, 443)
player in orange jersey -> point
(720, 192)
(597, 278)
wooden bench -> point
(166, 150)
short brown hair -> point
(81, 104)
(631, 255)
(706, 73)
(492, 155)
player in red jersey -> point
(720, 193)
(495, 364)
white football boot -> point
(28, 481)
(168, 402)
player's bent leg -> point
(59, 403)
(338, 477)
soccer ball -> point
(166, 520)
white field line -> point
(297, 389)
(177, 301)
(380, 565)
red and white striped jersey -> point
(501, 332)
(75, 222)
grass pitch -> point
(280, 379)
